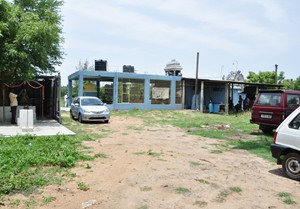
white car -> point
(286, 146)
(87, 108)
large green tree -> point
(265, 77)
(30, 39)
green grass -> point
(218, 126)
(149, 152)
(48, 199)
(182, 190)
(193, 163)
(82, 186)
(29, 162)
(236, 189)
(286, 198)
(223, 195)
(200, 203)
(146, 189)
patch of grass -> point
(151, 153)
(222, 195)
(260, 147)
(193, 163)
(287, 199)
(201, 203)
(48, 199)
(15, 203)
(202, 181)
(82, 186)
(216, 151)
(29, 162)
(101, 155)
(212, 126)
(182, 190)
(139, 153)
(144, 207)
(235, 189)
(30, 203)
(146, 189)
(88, 166)
(216, 134)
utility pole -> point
(196, 82)
(276, 68)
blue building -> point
(125, 91)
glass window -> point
(160, 92)
(131, 90)
(269, 99)
(295, 123)
(292, 100)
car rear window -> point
(295, 123)
(269, 99)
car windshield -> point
(91, 102)
(269, 99)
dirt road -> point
(162, 167)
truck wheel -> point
(267, 130)
(291, 166)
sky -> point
(229, 35)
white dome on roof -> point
(173, 65)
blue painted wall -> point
(114, 76)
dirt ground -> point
(163, 167)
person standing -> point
(66, 100)
(13, 105)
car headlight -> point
(87, 111)
(106, 111)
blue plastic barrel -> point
(210, 107)
(216, 108)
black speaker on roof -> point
(100, 65)
(128, 69)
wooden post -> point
(196, 82)
(201, 96)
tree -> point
(297, 83)
(288, 84)
(81, 66)
(265, 77)
(30, 39)
(85, 66)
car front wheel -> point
(291, 166)
(80, 118)
(71, 115)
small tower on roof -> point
(173, 68)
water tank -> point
(128, 69)
(100, 65)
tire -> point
(107, 121)
(71, 115)
(80, 118)
(291, 166)
(267, 130)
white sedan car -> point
(87, 108)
